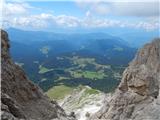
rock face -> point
(20, 98)
(83, 102)
(138, 95)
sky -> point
(80, 15)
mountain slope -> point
(20, 98)
(137, 97)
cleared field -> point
(120, 49)
(43, 69)
(88, 74)
(63, 78)
(91, 91)
(82, 62)
(59, 92)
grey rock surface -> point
(137, 97)
(20, 98)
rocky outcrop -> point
(84, 101)
(138, 95)
(20, 98)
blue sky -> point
(81, 15)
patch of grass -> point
(79, 61)
(43, 69)
(91, 91)
(59, 92)
(63, 78)
(85, 95)
(88, 74)
(43, 79)
(118, 48)
(83, 62)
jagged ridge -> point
(137, 97)
(20, 98)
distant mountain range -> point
(135, 38)
(104, 46)
(22, 36)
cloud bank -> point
(19, 15)
(138, 8)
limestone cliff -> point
(20, 98)
(138, 95)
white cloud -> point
(133, 8)
(148, 26)
(96, 23)
(88, 14)
(31, 21)
(67, 21)
(143, 8)
(139, 9)
(62, 21)
(102, 8)
(18, 18)
(105, 23)
(41, 21)
(18, 8)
